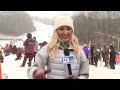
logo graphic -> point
(68, 59)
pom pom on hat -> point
(63, 21)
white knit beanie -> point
(63, 21)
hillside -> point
(15, 23)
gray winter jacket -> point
(58, 70)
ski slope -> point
(43, 32)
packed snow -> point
(11, 68)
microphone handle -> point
(69, 69)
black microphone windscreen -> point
(66, 52)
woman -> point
(6, 50)
(52, 55)
(86, 50)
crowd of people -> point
(29, 49)
(106, 54)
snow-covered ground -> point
(12, 69)
(104, 72)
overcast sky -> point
(49, 14)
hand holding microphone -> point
(67, 53)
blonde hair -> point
(52, 46)
(0, 51)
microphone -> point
(67, 53)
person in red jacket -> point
(10, 48)
(6, 50)
(29, 50)
(19, 55)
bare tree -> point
(98, 27)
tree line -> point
(98, 26)
(15, 23)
